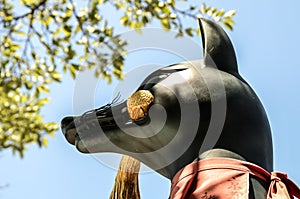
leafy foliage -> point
(41, 39)
(170, 13)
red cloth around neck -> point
(226, 178)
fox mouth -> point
(104, 119)
(73, 127)
(98, 119)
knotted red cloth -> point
(226, 178)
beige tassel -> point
(126, 183)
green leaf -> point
(20, 33)
(189, 32)
(56, 76)
(221, 13)
(203, 8)
(76, 67)
(124, 20)
(45, 141)
(230, 13)
(73, 72)
(165, 24)
(43, 102)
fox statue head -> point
(222, 114)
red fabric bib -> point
(226, 178)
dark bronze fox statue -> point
(223, 118)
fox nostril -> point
(65, 121)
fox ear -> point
(217, 47)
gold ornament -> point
(138, 104)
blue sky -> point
(266, 40)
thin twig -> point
(33, 9)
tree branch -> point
(32, 10)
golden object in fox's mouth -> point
(139, 103)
